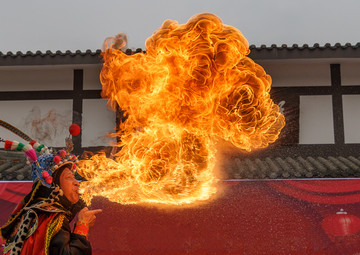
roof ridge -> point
(49, 52)
(305, 46)
(132, 51)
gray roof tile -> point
(321, 169)
(274, 168)
(13, 167)
(349, 163)
(298, 167)
(257, 53)
(305, 46)
(132, 51)
(286, 168)
(355, 160)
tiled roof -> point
(257, 52)
(13, 167)
(48, 53)
(305, 46)
(130, 51)
(289, 167)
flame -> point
(193, 86)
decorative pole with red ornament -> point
(74, 130)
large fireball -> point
(193, 86)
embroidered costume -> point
(40, 222)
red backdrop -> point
(247, 217)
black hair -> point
(58, 172)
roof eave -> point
(304, 53)
(257, 53)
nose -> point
(76, 183)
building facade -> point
(317, 88)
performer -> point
(40, 222)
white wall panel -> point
(351, 108)
(297, 73)
(36, 79)
(98, 122)
(92, 77)
(316, 120)
(46, 121)
(350, 74)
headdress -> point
(44, 166)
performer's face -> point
(69, 185)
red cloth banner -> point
(335, 191)
(246, 217)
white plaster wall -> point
(297, 73)
(92, 77)
(98, 122)
(316, 120)
(351, 108)
(46, 121)
(18, 79)
(350, 73)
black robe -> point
(67, 243)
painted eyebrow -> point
(69, 175)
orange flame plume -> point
(193, 85)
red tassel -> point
(31, 155)
(32, 143)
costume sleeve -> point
(67, 243)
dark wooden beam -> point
(289, 104)
(320, 90)
(36, 95)
(78, 106)
(338, 115)
(298, 150)
(47, 95)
